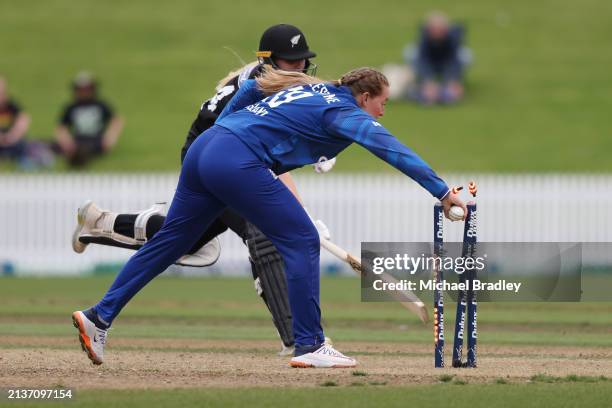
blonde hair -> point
(234, 73)
(359, 80)
(273, 80)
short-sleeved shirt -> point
(8, 114)
(87, 119)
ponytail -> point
(274, 80)
(359, 80)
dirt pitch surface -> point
(168, 363)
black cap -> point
(284, 41)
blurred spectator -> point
(14, 124)
(88, 126)
(439, 61)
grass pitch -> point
(210, 342)
(477, 396)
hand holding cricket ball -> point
(456, 213)
(454, 207)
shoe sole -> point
(300, 364)
(84, 338)
(181, 261)
(77, 245)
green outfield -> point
(227, 308)
(476, 396)
(537, 96)
(530, 354)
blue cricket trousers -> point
(221, 171)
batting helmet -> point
(287, 42)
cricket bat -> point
(405, 298)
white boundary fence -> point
(38, 213)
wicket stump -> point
(466, 299)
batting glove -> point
(324, 165)
(320, 226)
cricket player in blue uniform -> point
(281, 46)
(274, 124)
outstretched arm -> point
(358, 126)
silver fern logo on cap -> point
(295, 39)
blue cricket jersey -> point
(300, 125)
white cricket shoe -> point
(205, 256)
(87, 216)
(91, 337)
(325, 357)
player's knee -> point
(304, 234)
(302, 252)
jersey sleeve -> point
(248, 94)
(356, 125)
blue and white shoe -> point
(323, 357)
(91, 337)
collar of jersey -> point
(345, 90)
